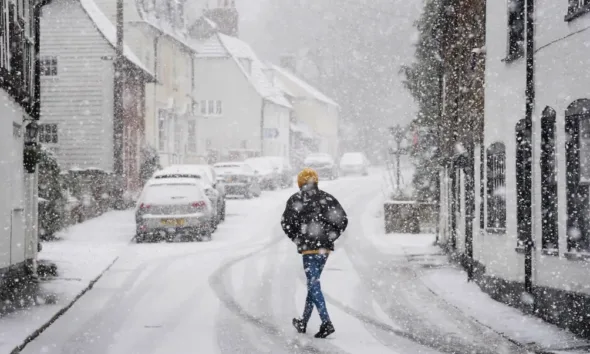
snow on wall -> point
(79, 99)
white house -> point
(313, 108)
(239, 107)
(155, 29)
(77, 90)
(560, 196)
(19, 109)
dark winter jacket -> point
(313, 219)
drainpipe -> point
(118, 124)
(530, 105)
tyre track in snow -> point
(290, 345)
(426, 319)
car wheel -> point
(206, 235)
(139, 238)
(222, 216)
(248, 194)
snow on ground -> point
(449, 282)
(81, 254)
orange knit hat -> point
(307, 175)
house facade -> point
(155, 31)
(314, 109)
(19, 106)
(77, 91)
(239, 108)
(559, 168)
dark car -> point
(238, 178)
(323, 164)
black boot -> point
(325, 330)
(299, 325)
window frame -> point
(191, 142)
(48, 133)
(549, 183)
(495, 178)
(515, 38)
(577, 191)
(211, 108)
(49, 66)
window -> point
(49, 66)
(577, 147)
(577, 8)
(496, 182)
(162, 129)
(48, 134)
(192, 136)
(515, 29)
(523, 184)
(549, 230)
(204, 107)
(212, 108)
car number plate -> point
(172, 222)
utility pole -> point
(119, 66)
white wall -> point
(277, 117)
(562, 70)
(12, 204)
(80, 98)
(222, 79)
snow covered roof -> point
(221, 45)
(109, 31)
(311, 91)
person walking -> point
(313, 220)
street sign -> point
(271, 133)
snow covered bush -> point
(51, 196)
(150, 163)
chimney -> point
(225, 15)
(288, 62)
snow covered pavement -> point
(238, 293)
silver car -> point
(197, 172)
(173, 207)
(239, 179)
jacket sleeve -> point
(289, 220)
(337, 217)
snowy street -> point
(238, 293)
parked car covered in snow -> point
(265, 171)
(170, 207)
(191, 171)
(284, 170)
(239, 179)
(324, 165)
(354, 163)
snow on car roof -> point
(174, 181)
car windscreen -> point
(318, 159)
(356, 159)
(162, 194)
(262, 165)
(178, 175)
(232, 168)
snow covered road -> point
(238, 293)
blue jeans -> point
(313, 264)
